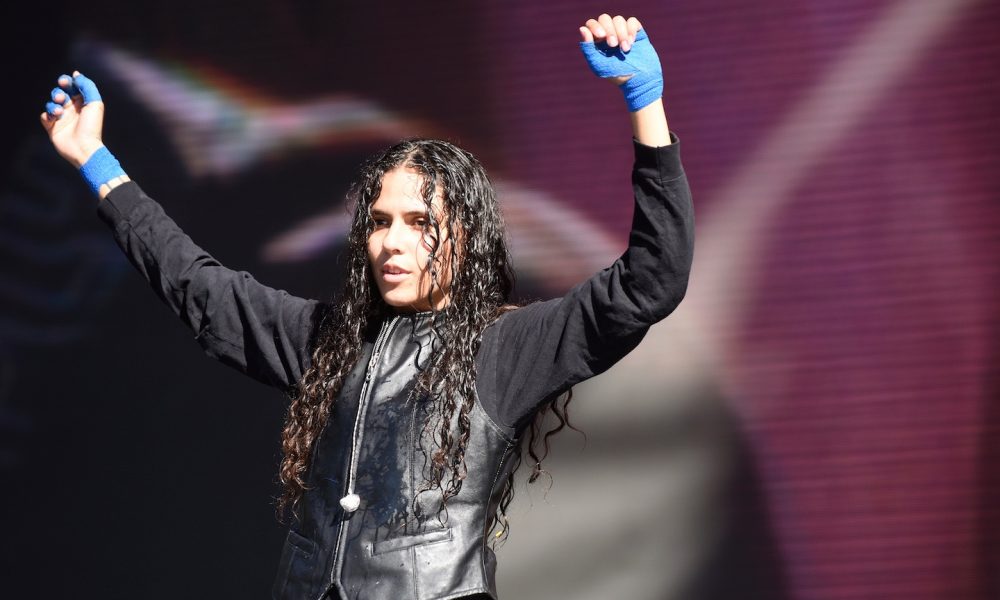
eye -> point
(380, 222)
(421, 222)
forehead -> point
(401, 192)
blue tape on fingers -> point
(50, 107)
(68, 87)
(56, 92)
(641, 62)
(88, 88)
(100, 168)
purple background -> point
(818, 420)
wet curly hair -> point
(480, 288)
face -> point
(399, 246)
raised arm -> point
(542, 349)
(265, 333)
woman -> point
(413, 391)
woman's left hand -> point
(614, 31)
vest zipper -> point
(347, 501)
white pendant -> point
(350, 502)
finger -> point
(609, 27)
(596, 30)
(621, 31)
(633, 27)
(66, 84)
(48, 121)
(87, 88)
(53, 110)
(59, 96)
(586, 34)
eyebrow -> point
(410, 213)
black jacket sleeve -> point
(544, 348)
(263, 332)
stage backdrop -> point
(819, 419)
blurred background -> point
(819, 419)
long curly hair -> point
(481, 283)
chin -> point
(401, 302)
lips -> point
(394, 273)
(393, 270)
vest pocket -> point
(295, 565)
(401, 543)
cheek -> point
(423, 253)
(374, 244)
(442, 263)
(427, 243)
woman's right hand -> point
(74, 118)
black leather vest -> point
(396, 545)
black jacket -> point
(396, 545)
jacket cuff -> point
(662, 162)
(119, 204)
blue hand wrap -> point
(51, 107)
(70, 87)
(100, 168)
(88, 88)
(641, 61)
(81, 85)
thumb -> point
(92, 109)
(86, 87)
(47, 123)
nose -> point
(392, 242)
